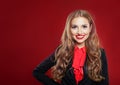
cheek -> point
(87, 35)
(87, 31)
(73, 35)
(73, 31)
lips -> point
(80, 36)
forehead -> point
(79, 20)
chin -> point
(79, 42)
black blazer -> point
(69, 79)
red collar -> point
(79, 56)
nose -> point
(79, 31)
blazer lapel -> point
(85, 77)
(70, 72)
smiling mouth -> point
(79, 36)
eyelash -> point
(74, 26)
(84, 26)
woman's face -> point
(80, 29)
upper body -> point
(69, 79)
(86, 65)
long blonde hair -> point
(64, 52)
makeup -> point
(80, 36)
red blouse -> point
(78, 62)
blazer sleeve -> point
(42, 68)
(104, 69)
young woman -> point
(79, 59)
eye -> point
(74, 26)
(84, 26)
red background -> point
(30, 30)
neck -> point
(80, 45)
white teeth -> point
(80, 36)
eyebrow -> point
(77, 25)
(73, 25)
(85, 24)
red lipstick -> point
(80, 36)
